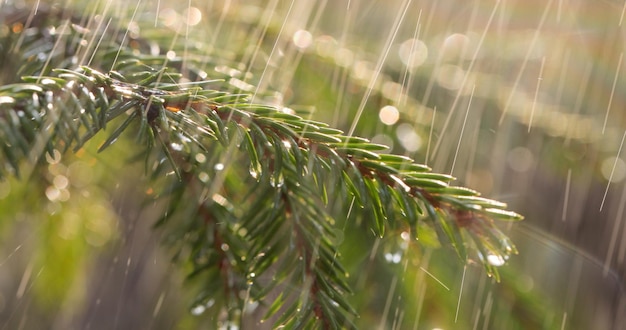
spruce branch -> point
(292, 159)
(295, 173)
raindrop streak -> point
(157, 308)
(406, 79)
(525, 62)
(374, 250)
(271, 55)
(618, 222)
(25, 278)
(467, 73)
(130, 23)
(156, 13)
(434, 278)
(10, 255)
(246, 300)
(430, 135)
(42, 139)
(302, 39)
(392, 289)
(567, 188)
(29, 20)
(183, 67)
(93, 37)
(93, 54)
(379, 65)
(612, 171)
(573, 283)
(539, 79)
(458, 304)
(456, 153)
(608, 107)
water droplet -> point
(251, 306)
(393, 258)
(254, 172)
(176, 146)
(54, 158)
(219, 166)
(203, 177)
(277, 181)
(241, 84)
(225, 247)
(6, 99)
(198, 310)
(200, 158)
(229, 326)
(496, 260)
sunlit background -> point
(521, 100)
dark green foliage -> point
(257, 190)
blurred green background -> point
(521, 100)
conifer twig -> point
(257, 186)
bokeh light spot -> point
(389, 115)
(384, 140)
(325, 45)
(344, 57)
(520, 159)
(455, 46)
(302, 39)
(194, 15)
(618, 173)
(450, 76)
(408, 138)
(413, 52)
(168, 16)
